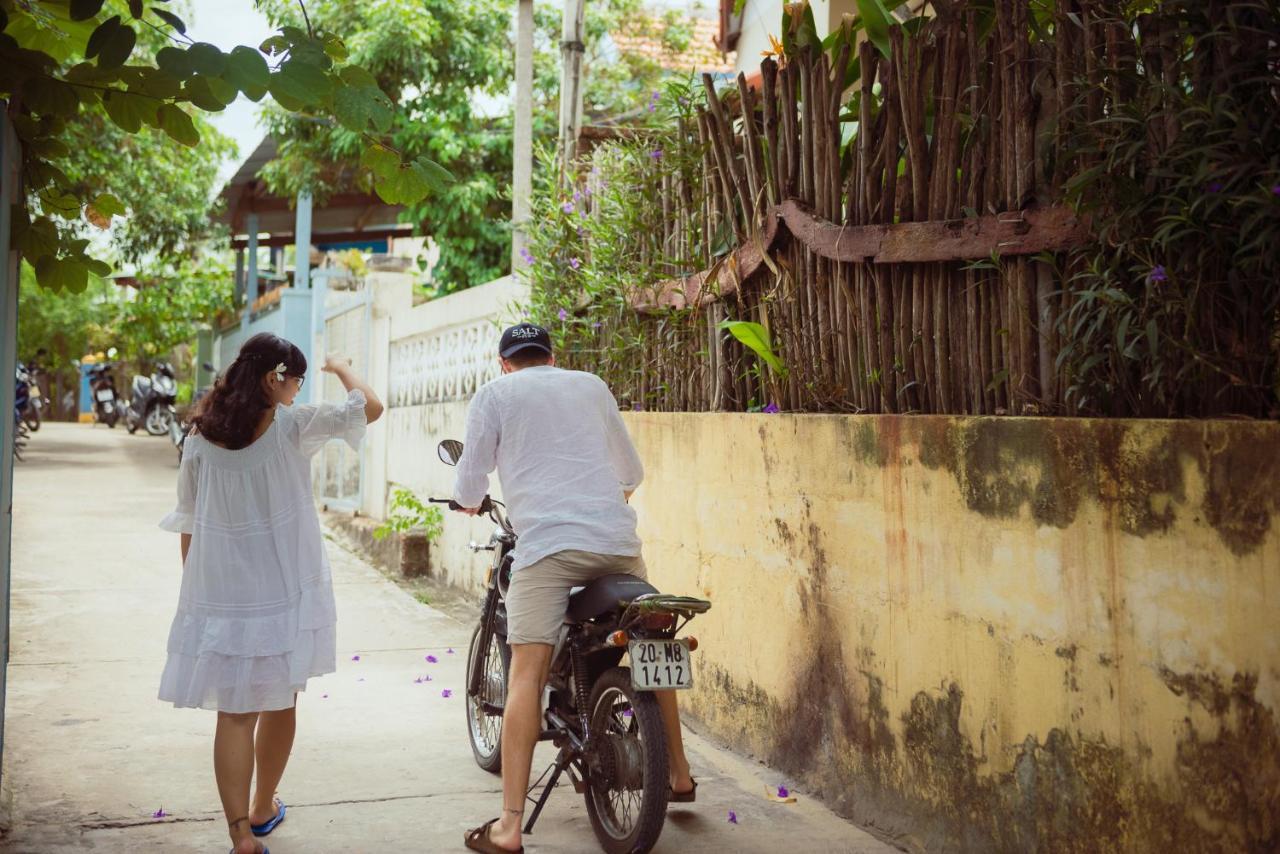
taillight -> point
(618, 638)
(693, 643)
(659, 621)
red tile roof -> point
(701, 55)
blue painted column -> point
(302, 242)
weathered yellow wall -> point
(991, 634)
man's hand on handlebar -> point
(485, 506)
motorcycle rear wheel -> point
(158, 419)
(485, 731)
(629, 784)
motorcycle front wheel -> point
(31, 417)
(628, 783)
(484, 729)
(158, 420)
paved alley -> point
(381, 761)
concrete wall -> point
(987, 634)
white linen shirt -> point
(564, 460)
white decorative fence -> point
(436, 367)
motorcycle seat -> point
(605, 594)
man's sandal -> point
(688, 797)
(477, 839)
(272, 823)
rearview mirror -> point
(208, 367)
(450, 451)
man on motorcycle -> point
(568, 470)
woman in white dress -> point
(256, 614)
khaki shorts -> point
(539, 594)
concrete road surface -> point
(381, 761)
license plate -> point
(106, 394)
(661, 665)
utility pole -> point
(522, 154)
(571, 50)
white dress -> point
(256, 614)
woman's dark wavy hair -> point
(229, 414)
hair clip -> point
(279, 372)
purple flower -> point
(635, 407)
(733, 817)
(567, 207)
(1275, 191)
(431, 659)
(582, 213)
(771, 409)
(575, 263)
(577, 195)
(355, 658)
(1214, 187)
(581, 233)
(562, 314)
(626, 713)
(596, 325)
(449, 651)
(1158, 274)
(526, 256)
(656, 154)
(446, 693)
(160, 813)
(783, 793)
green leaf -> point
(83, 10)
(382, 161)
(60, 202)
(135, 8)
(357, 77)
(49, 272)
(117, 47)
(175, 61)
(353, 108)
(877, 22)
(436, 176)
(207, 59)
(128, 110)
(756, 338)
(101, 269)
(171, 19)
(50, 97)
(334, 47)
(108, 205)
(301, 81)
(295, 35)
(405, 186)
(156, 83)
(178, 125)
(211, 94)
(274, 46)
(100, 36)
(248, 72)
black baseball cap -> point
(523, 336)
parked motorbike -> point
(151, 404)
(180, 429)
(106, 401)
(601, 715)
(32, 414)
(21, 399)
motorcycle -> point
(32, 414)
(601, 715)
(180, 429)
(152, 401)
(21, 399)
(106, 402)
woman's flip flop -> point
(268, 826)
(477, 839)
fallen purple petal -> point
(733, 817)
(160, 813)
(449, 651)
(771, 409)
(431, 659)
(783, 793)
(355, 658)
(361, 679)
(446, 693)
(324, 696)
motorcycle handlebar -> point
(486, 506)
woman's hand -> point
(335, 362)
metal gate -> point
(345, 329)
